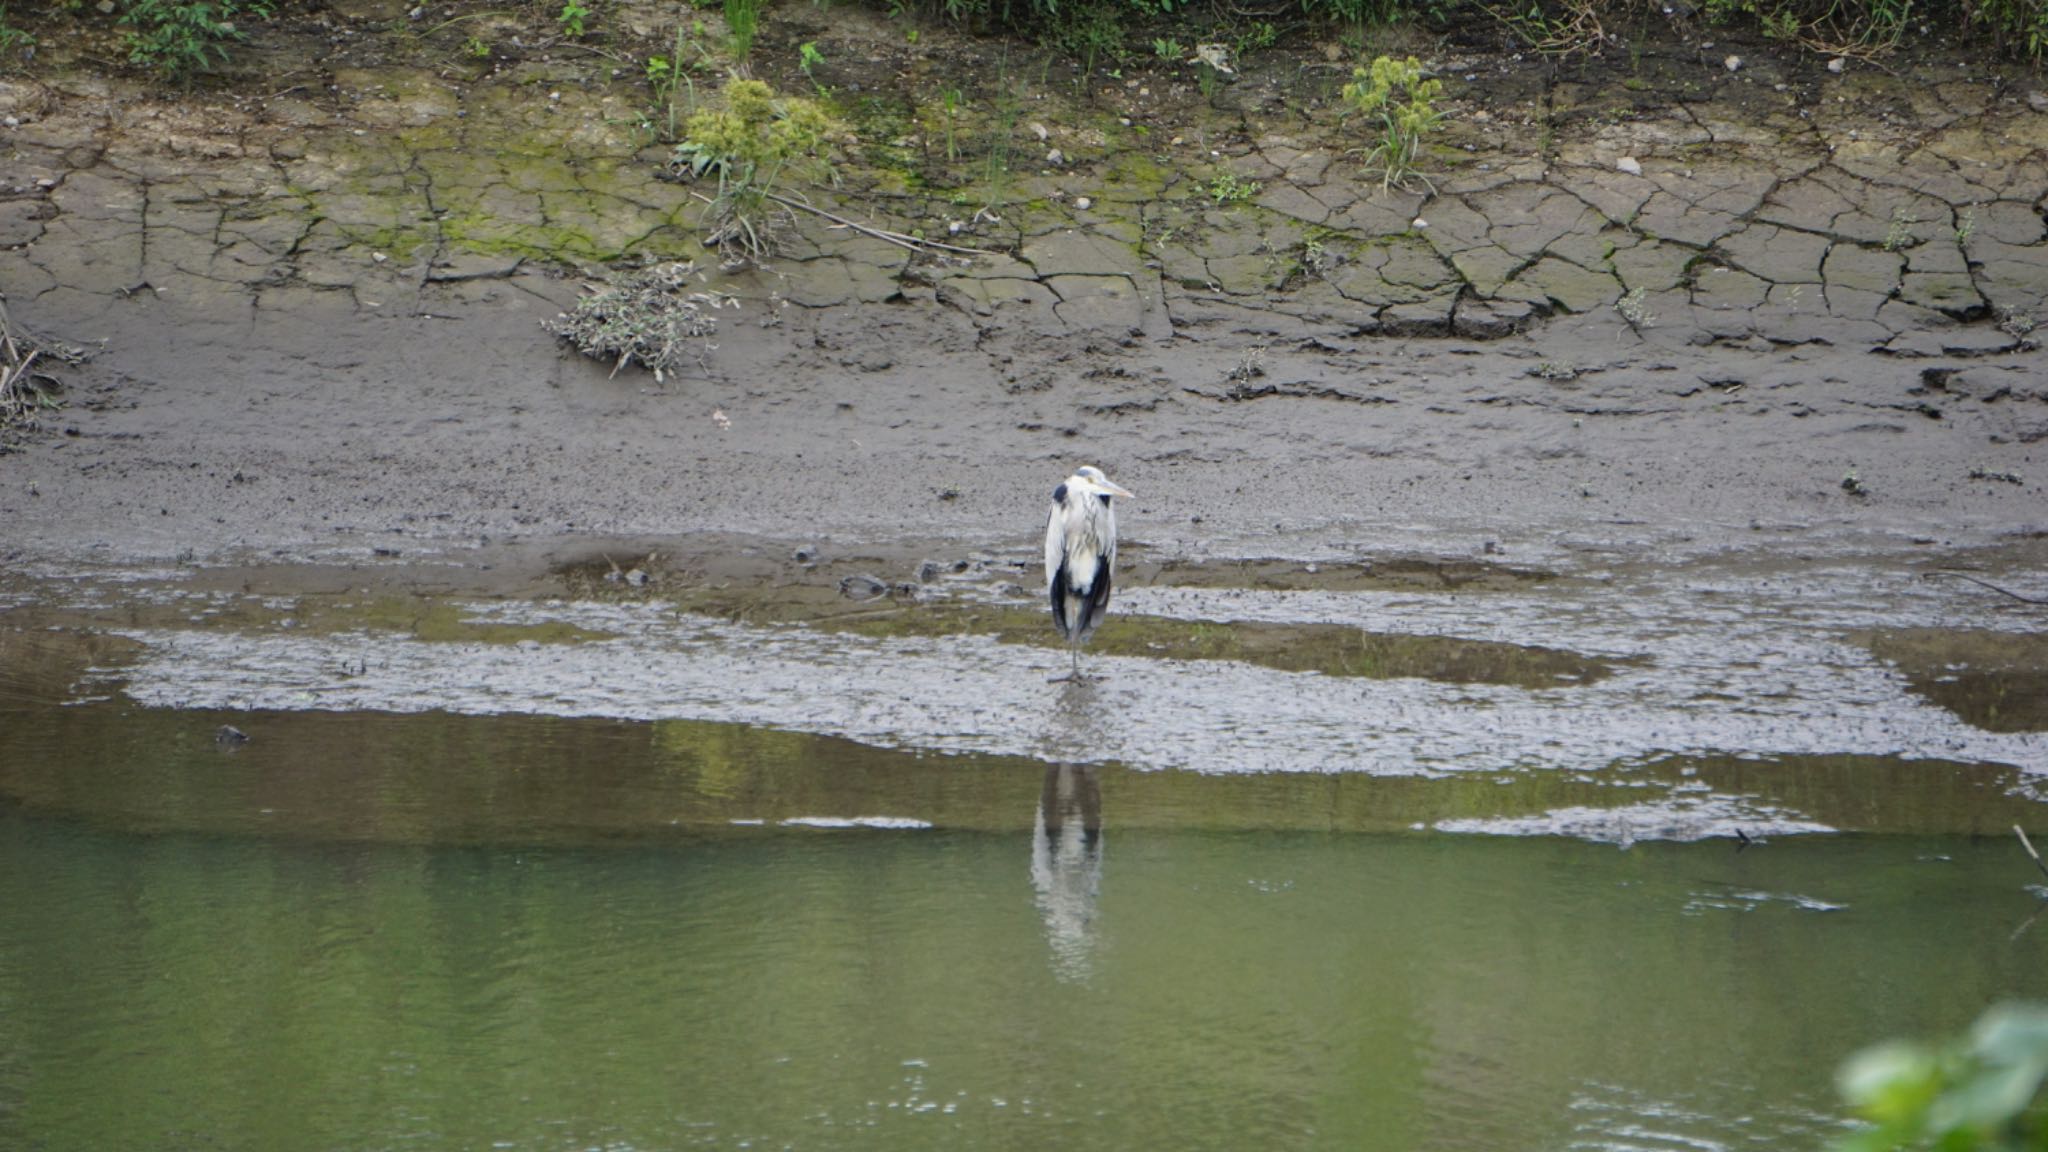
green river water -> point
(429, 931)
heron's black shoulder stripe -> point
(1104, 497)
(1059, 494)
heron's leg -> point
(1075, 654)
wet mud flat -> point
(660, 690)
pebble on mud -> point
(1733, 63)
(862, 587)
(1083, 203)
(1629, 165)
(1837, 64)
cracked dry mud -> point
(321, 319)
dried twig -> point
(1986, 584)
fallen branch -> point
(2029, 846)
(913, 243)
(1986, 584)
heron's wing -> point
(1055, 539)
(1060, 594)
(1098, 596)
(1056, 559)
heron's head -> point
(1092, 480)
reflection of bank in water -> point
(1066, 864)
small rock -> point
(379, 257)
(928, 571)
(862, 587)
(1216, 56)
(1083, 203)
(105, 7)
(1418, 224)
(636, 577)
(952, 227)
(1733, 63)
(1055, 157)
(1040, 131)
(1629, 165)
(229, 736)
(2038, 101)
(805, 555)
(1837, 64)
(11, 122)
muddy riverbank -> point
(1803, 323)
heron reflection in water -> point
(1066, 841)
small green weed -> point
(669, 77)
(1168, 49)
(1966, 226)
(951, 101)
(571, 18)
(1260, 35)
(1396, 95)
(1900, 234)
(476, 49)
(1230, 188)
(808, 58)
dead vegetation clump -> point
(26, 391)
(655, 317)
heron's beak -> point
(1113, 489)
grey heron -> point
(1080, 555)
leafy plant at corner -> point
(1982, 1094)
(750, 145)
(1395, 94)
(180, 38)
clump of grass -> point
(750, 144)
(656, 317)
(742, 18)
(1396, 96)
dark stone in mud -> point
(229, 736)
(1492, 320)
